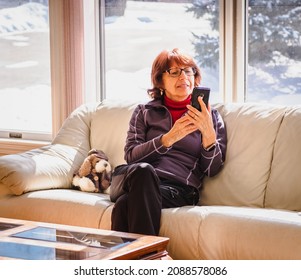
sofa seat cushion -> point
(61, 206)
(224, 232)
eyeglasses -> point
(176, 72)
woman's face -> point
(178, 88)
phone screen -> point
(204, 92)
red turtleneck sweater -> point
(176, 108)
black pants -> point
(138, 210)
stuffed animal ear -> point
(85, 168)
(106, 178)
(92, 151)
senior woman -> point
(170, 147)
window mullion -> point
(233, 36)
(228, 48)
(92, 54)
(240, 52)
(67, 63)
(102, 49)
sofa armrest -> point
(48, 167)
(51, 166)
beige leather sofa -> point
(248, 211)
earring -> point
(161, 91)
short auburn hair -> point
(163, 62)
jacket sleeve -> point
(212, 161)
(137, 147)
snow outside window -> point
(274, 52)
(137, 31)
(25, 93)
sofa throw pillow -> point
(48, 167)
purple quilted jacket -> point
(186, 161)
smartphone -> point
(204, 92)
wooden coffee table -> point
(35, 241)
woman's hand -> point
(203, 122)
(182, 127)
(193, 120)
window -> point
(25, 92)
(136, 31)
(274, 51)
(249, 51)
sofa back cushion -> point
(251, 133)
(284, 186)
(109, 126)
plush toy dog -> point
(94, 175)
